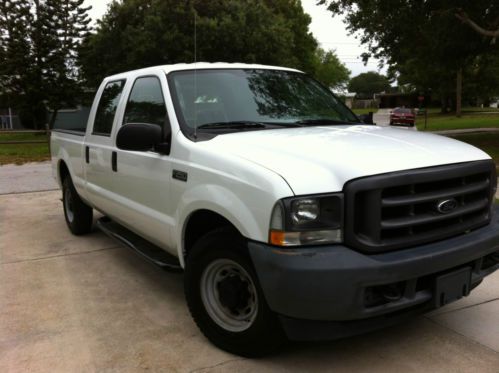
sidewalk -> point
(465, 130)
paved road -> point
(86, 304)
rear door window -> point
(103, 123)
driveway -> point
(87, 304)
(26, 178)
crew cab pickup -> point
(289, 216)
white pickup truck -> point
(290, 218)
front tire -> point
(225, 298)
(78, 214)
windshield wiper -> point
(232, 125)
(325, 121)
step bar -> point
(144, 248)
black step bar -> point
(144, 248)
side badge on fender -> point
(179, 175)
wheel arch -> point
(62, 171)
(200, 222)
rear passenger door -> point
(142, 178)
(99, 147)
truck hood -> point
(322, 159)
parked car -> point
(403, 116)
(289, 218)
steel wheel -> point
(229, 295)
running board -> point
(138, 244)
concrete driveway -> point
(86, 304)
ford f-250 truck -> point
(288, 215)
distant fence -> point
(16, 132)
(365, 104)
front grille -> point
(397, 210)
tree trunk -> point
(459, 88)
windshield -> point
(237, 99)
(402, 111)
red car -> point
(402, 116)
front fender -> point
(250, 221)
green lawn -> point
(438, 122)
(22, 153)
(488, 142)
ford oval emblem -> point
(446, 206)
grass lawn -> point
(438, 122)
(488, 142)
(23, 153)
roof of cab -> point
(198, 66)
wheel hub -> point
(233, 293)
(229, 295)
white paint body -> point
(240, 175)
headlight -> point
(304, 210)
(307, 221)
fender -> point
(251, 223)
(77, 178)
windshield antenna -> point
(195, 76)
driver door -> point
(142, 178)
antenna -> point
(195, 76)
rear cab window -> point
(106, 110)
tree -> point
(15, 51)
(139, 33)
(367, 84)
(39, 42)
(330, 70)
(422, 40)
(67, 21)
(492, 28)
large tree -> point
(39, 43)
(16, 67)
(139, 33)
(423, 40)
(330, 70)
(367, 84)
(68, 23)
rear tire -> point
(78, 215)
(225, 298)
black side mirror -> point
(138, 136)
(366, 118)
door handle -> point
(114, 161)
(87, 154)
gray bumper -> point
(328, 283)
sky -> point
(330, 32)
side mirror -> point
(138, 136)
(366, 118)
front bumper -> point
(325, 287)
(403, 121)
